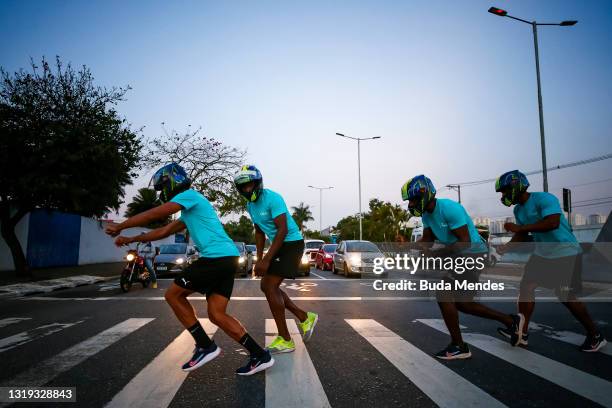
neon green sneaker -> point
(280, 345)
(308, 325)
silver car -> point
(173, 258)
(356, 258)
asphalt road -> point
(371, 348)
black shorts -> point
(455, 280)
(562, 274)
(286, 263)
(210, 275)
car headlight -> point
(254, 257)
(241, 259)
(130, 257)
(328, 256)
(355, 260)
(304, 259)
(179, 261)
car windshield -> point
(330, 248)
(314, 245)
(361, 247)
(251, 248)
(173, 249)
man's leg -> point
(480, 310)
(451, 319)
(292, 307)
(149, 265)
(526, 302)
(580, 312)
(270, 286)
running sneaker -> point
(593, 343)
(280, 345)
(154, 285)
(201, 356)
(256, 364)
(308, 325)
(518, 322)
(454, 352)
(506, 332)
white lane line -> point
(157, 383)
(19, 339)
(564, 336)
(50, 368)
(316, 274)
(293, 380)
(581, 383)
(441, 384)
(12, 320)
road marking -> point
(316, 274)
(581, 383)
(441, 384)
(50, 368)
(298, 286)
(12, 320)
(19, 339)
(157, 383)
(564, 336)
(293, 381)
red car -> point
(325, 257)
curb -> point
(51, 285)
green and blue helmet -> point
(169, 181)
(421, 189)
(511, 184)
(247, 174)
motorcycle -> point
(134, 271)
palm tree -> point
(301, 215)
(143, 201)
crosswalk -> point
(295, 380)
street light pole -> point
(358, 139)
(534, 25)
(321, 204)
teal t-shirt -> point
(204, 225)
(557, 243)
(267, 207)
(449, 215)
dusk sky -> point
(449, 87)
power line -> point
(558, 167)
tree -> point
(63, 146)
(383, 223)
(143, 201)
(302, 214)
(211, 165)
(308, 234)
(241, 230)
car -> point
(304, 267)
(311, 247)
(325, 257)
(356, 258)
(173, 258)
(245, 262)
(252, 250)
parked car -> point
(252, 249)
(304, 268)
(311, 247)
(356, 258)
(245, 262)
(325, 257)
(173, 258)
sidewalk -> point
(49, 279)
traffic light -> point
(567, 200)
(498, 11)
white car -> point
(356, 257)
(311, 247)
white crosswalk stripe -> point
(564, 336)
(19, 339)
(293, 380)
(445, 387)
(157, 384)
(50, 368)
(12, 320)
(581, 383)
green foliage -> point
(241, 230)
(302, 214)
(143, 201)
(383, 222)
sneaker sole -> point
(457, 357)
(259, 368)
(272, 351)
(209, 357)
(507, 336)
(599, 347)
(308, 334)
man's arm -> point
(427, 239)
(281, 233)
(260, 241)
(463, 237)
(548, 223)
(145, 218)
(156, 234)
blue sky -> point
(448, 86)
